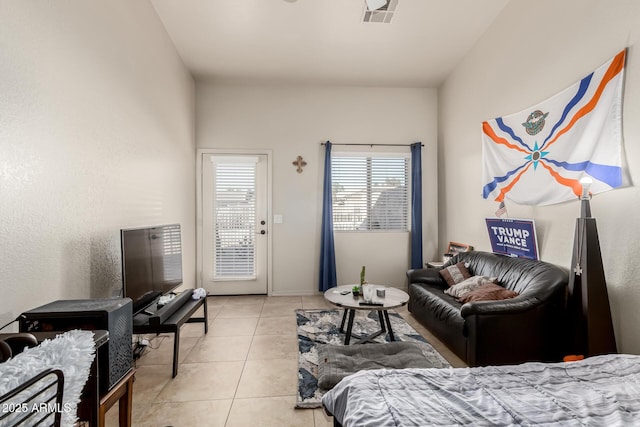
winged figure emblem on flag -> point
(538, 156)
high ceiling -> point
(324, 41)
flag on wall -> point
(538, 156)
(502, 209)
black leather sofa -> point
(529, 327)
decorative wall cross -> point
(299, 163)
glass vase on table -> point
(368, 292)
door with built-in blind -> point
(234, 224)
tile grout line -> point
(244, 364)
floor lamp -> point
(588, 302)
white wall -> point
(294, 120)
(96, 134)
(527, 55)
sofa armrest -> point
(516, 305)
(513, 331)
(430, 276)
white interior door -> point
(234, 224)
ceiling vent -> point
(379, 10)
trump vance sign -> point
(513, 237)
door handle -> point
(262, 232)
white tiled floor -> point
(242, 373)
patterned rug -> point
(317, 327)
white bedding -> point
(598, 391)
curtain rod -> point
(375, 145)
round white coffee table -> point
(342, 297)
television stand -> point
(170, 318)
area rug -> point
(317, 327)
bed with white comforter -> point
(598, 391)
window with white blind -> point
(172, 250)
(370, 192)
(234, 219)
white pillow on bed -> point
(71, 352)
(468, 285)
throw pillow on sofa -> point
(468, 285)
(455, 273)
(488, 292)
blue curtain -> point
(416, 205)
(327, 247)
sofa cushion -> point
(488, 292)
(455, 273)
(525, 276)
(468, 285)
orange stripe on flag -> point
(506, 189)
(574, 184)
(486, 128)
(617, 64)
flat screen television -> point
(151, 263)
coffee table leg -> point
(386, 317)
(382, 327)
(347, 336)
(344, 317)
